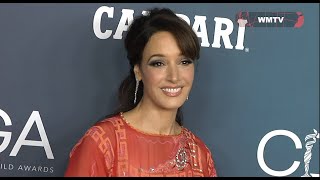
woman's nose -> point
(173, 73)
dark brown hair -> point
(139, 33)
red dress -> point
(113, 147)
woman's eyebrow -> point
(156, 55)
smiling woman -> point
(167, 77)
(145, 136)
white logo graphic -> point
(199, 26)
(308, 154)
(298, 144)
(34, 118)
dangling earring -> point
(136, 91)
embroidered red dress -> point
(113, 147)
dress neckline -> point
(149, 134)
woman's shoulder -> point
(106, 126)
(101, 136)
(197, 140)
(109, 123)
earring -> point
(187, 97)
(136, 91)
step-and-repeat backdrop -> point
(255, 99)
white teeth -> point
(172, 90)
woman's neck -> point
(153, 120)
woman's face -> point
(167, 74)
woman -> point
(145, 137)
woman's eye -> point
(186, 61)
(156, 63)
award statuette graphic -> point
(308, 153)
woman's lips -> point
(172, 92)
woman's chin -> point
(172, 104)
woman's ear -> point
(137, 72)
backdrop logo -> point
(199, 26)
(272, 19)
(44, 142)
(307, 155)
